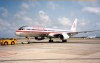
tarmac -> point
(76, 50)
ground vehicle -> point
(7, 41)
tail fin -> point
(74, 25)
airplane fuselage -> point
(34, 32)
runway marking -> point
(52, 59)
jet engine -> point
(64, 36)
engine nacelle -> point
(64, 36)
(39, 38)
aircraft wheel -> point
(50, 41)
(22, 42)
(28, 43)
(64, 40)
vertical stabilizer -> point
(74, 25)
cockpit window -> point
(21, 28)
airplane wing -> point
(73, 33)
(87, 31)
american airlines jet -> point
(41, 33)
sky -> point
(52, 14)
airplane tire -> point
(22, 42)
(50, 41)
(28, 43)
(64, 40)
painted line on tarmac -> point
(51, 59)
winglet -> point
(74, 25)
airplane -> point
(40, 33)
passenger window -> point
(28, 29)
(33, 29)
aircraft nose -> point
(17, 33)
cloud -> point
(89, 4)
(43, 16)
(45, 19)
(42, 19)
(24, 6)
(3, 11)
(52, 5)
(95, 10)
(7, 29)
(98, 24)
(64, 21)
(23, 10)
(21, 16)
(11, 24)
(3, 24)
(27, 19)
(83, 22)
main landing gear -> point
(64, 40)
(50, 41)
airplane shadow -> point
(68, 42)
